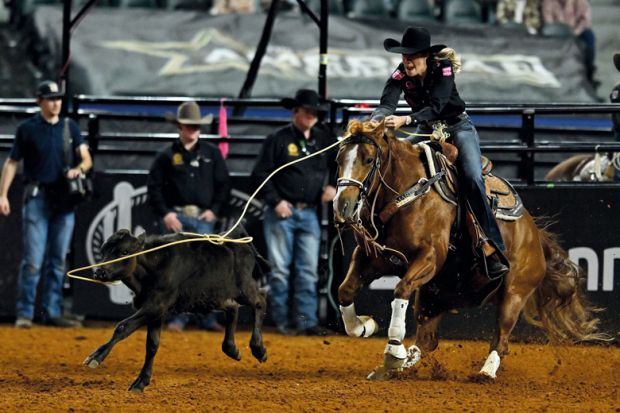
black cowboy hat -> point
(188, 113)
(617, 60)
(415, 40)
(305, 98)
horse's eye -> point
(125, 252)
(368, 161)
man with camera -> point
(54, 153)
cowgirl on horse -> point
(426, 76)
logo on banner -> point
(123, 212)
(211, 50)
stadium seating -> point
(369, 9)
(462, 12)
(556, 30)
(415, 11)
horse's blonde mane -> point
(356, 127)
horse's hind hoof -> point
(481, 378)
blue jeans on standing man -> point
(46, 238)
(294, 240)
(464, 136)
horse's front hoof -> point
(382, 373)
(138, 385)
(393, 363)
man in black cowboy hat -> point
(188, 185)
(48, 219)
(291, 225)
(614, 97)
(427, 78)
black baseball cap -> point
(49, 89)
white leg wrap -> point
(397, 323)
(357, 326)
(396, 350)
(491, 365)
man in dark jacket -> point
(291, 225)
(189, 185)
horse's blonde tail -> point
(450, 54)
(558, 305)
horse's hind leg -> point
(426, 337)
(508, 312)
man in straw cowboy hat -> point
(291, 225)
(426, 77)
(188, 184)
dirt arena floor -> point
(41, 370)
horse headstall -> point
(362, 185)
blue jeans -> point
(198, 226)
(46, 237)
(465, 137)
(589, 41)
(295, 241)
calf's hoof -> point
(260, 353)
(91, 362)
(232, 352)
(138, 386)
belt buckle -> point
(190, 211)
(301, 205)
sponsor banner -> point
(138, 52)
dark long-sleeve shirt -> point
(179, 177)
(303, 181)
(614, 97)
(434, 99)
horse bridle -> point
(367, 181)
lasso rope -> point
(212, 238)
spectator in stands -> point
(291, 225)
(526, 12)
(188, 187)
(614, 97)
(578, 15)
(233, 6)
(48, 216)
(426, 75)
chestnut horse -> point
(373, 169)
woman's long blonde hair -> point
(450, 54)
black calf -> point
(189, 277)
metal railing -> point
(95, 109)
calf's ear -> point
(142, 239)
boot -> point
(495, 267)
